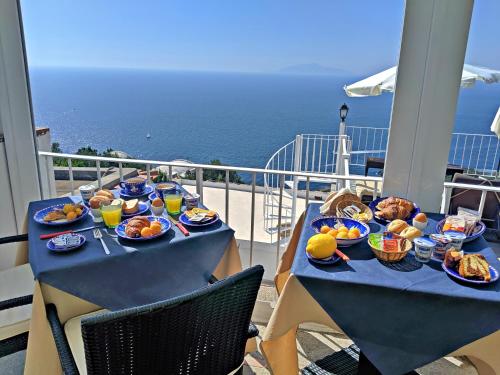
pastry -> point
(397, 226)
(105, 193)
(410, 233)
(452, 258)
(393, 212)
(474, 266)
(135, 226)
(397, 202)
(130, 207)
(54, 215)
(96, 201)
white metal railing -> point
(477, 154)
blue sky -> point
(360, 36)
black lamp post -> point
(343, 112)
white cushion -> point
(15, 282)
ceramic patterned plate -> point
(373, 207)
(147, 190)
(454, 273)
(66, 242)
(185, 220)
(478, 231)
(165, 226)
(332, 221)
(39, 215)
(143, 207)
(324, 262)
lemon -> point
(321, 246)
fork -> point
(98, 236)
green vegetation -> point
(88, 151)
(216, 175)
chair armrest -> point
(16, 238)
(253, 331)
(15, 302)
(212, 279)
(67, 361)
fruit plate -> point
(165, 226)
(143, 207)
(332, 221)
(325, 261)
(66, 242)
(478, 230)
(147, 190)
(39, 215)
(454, 273)
(373, 207)
(184, 220)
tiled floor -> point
(316, 345)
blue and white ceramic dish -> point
(454, 273)
(332, 222)
(143, 207)
(147, 190)
(133, 186)
(324, 262)
(39, 215)
(165, 226)
(478, 231)
(66, 242)
(185, 221)
(373, 207)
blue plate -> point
(39, 215)
(147, 190)
(51, 244)
(143, 207)
(454, 273)
(184, 220)
(324, 262)
(373, 207)
(332, 221)
(165, 224)
(478, 231)
(152, 196)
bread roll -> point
(397, 226)
(96, 201)
(410, 233)
(105, 193)
(130, 207)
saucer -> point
(147, 190)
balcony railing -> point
(284, 225)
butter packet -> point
(391, 242)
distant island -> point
(312, 69)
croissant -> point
(395, 201)
(135, 225)
(393, 212)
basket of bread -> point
(389, 247)
(354, 209)
(329, 208)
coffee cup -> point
(133, 186)
(165, 188)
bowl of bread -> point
(387, 209)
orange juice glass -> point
(112, 215)
(173, 203)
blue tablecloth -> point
(401, 315)
(136, 273)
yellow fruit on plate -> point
(68, 208)
(343, 229)
(146, 232)
(71, 215)
(324, 229)
(342, 235)
(333, 232)
(321, 246)
(155, 227)
(78, 211)
(352, 235)
(355, 231)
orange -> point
(342, 235)
(343, 229)
(71, 215)
(78, 211)
(352, 235)
(324, 229)
(155, 227)
(146, 232)
(355, 231)
(333, 233)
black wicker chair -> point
(204, 332)
(18, 342)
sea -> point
(239, 118)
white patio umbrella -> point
(386, 81)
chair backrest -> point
(470, 198)
(203, 332)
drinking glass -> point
(173, 203)
(111, 214)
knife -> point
(181, 227)
(52, 235)
(344, 257)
